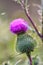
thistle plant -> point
(25, 43)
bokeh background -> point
(10, 10)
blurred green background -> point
(10, 10)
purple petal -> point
(18, 25)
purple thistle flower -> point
(18, 26)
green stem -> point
(30, 59)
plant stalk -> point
(40, 35)
(30, 59)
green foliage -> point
(25, 43)
(35, 60)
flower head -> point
(18, 26)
